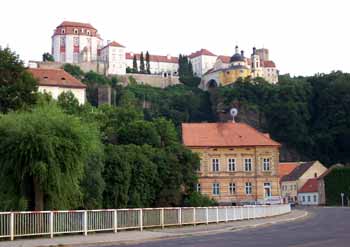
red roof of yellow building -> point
(223, 135)
(286, 168)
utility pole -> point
(342, 199)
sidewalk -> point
(101, 239)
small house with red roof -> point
(308, 194)
(238, 163)
(293, 182)
(57, 81)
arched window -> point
(63, 31)
(75, 31)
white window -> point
(216, 189)
(215, 164)
(315, 198)
(308, 198)
(303, 198)
(266, 164)
(232, 188)
(76, 41)
(62, 57)
(198, 188)
(248, 164)
(295, 187)
(248, 188)
(267, 190)
(63, 41)
(231, 164)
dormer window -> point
(88, 32)
(63, 79)
(45, 77)
(63, 31)
(75, 31)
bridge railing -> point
(50, 223)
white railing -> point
(50, 223)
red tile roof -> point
(268, 63)
(201, 52)
(76, 24)
(285, 168)
(70, 26)
(224, 59)
(223, 135)
(56, 78)
(310, 186)
(114, 44)
(152, 58)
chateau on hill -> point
(80, 43)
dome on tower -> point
(237, 58)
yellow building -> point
(238, 163)
(227, 70)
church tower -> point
(256, 64)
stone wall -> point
(152, 80)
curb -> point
(181, 235)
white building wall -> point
(270, 74)
(308, 198)
(207, 63)
(156, 67)
(54, 91)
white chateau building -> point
(78, 43)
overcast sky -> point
(304, 36)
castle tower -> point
(256, 64)
(73, 40)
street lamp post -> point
(342, 199)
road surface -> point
(326, 227)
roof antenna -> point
(233, 113)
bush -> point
(196, 199)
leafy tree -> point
(68, 102)
(148, 65)
(142, 64)
(47, 57)
(51, 149)
(74, 70)
(18, 88)
(134, 65)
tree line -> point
(57, 154)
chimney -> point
(254, 50)
(168, 56)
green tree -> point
(74, 70)
(142, 64)
(68, 102)
(18, 88)
(51, 149)
(47, 57)
(134, 64)
(148, 65)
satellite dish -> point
(233, 113)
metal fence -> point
(50, 223)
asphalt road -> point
(325, 227)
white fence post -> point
(194, 216)
(51, 224)
(217, 215)
(226, 216)
(207, 215)
(141, 220)
(162, 218)
(85, 223)
(180, 216)
(12, 224)
(115, 220)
